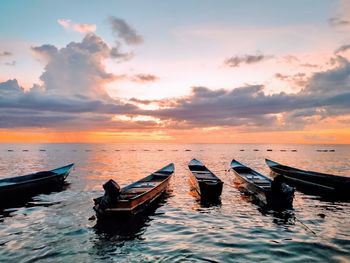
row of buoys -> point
(88, 150)
(268, 150)
(175, 150)
(283, 150)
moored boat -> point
(14, 189)
(318, 183)
(206, 183)
(133, 197)
(271, 193)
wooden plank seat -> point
(262, 184)
(213, 180)
(261, 181)
(127, 195)
(207, 176)
(150, 184)
(201, 172)
(137, 190)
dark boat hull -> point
(266, 199)
(313, 182)
(137, 204)
(135, 197)
(207, 190)
(18, 191)
(206, 183)
(128, 226)
(267, 193)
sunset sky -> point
(175, 71)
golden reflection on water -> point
(234, 229)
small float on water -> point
(206, 183)
(270, 193)
(130, 199)
(319, 183)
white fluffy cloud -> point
(78, 68)
(79, 27)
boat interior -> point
(202, 173)
(253, 176)
(143, 186)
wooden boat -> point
(319, 183)
(274, 194)
(206, 183)
(131, 198)
(128, 227)
(16, 188)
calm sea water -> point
(56, 227)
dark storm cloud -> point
(237, 61)
(124, 31)
(21, 119)
(37, 108)
(246, 105)
(332, 81)
(17, 118)
(12, 96)
(10, 88)
(326, 94)
(73, 96)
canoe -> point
(319, 183)
(16, 188)
(133, 197)
(206, 183)
(274, 194)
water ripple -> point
(55, 227)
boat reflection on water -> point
(11, 205)
(15, 191)
(280, 216)
(284, 217)
(128, 226)
(9, 210)
(314, 183)
(203, 203)
(318, 194)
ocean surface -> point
(56, 227)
